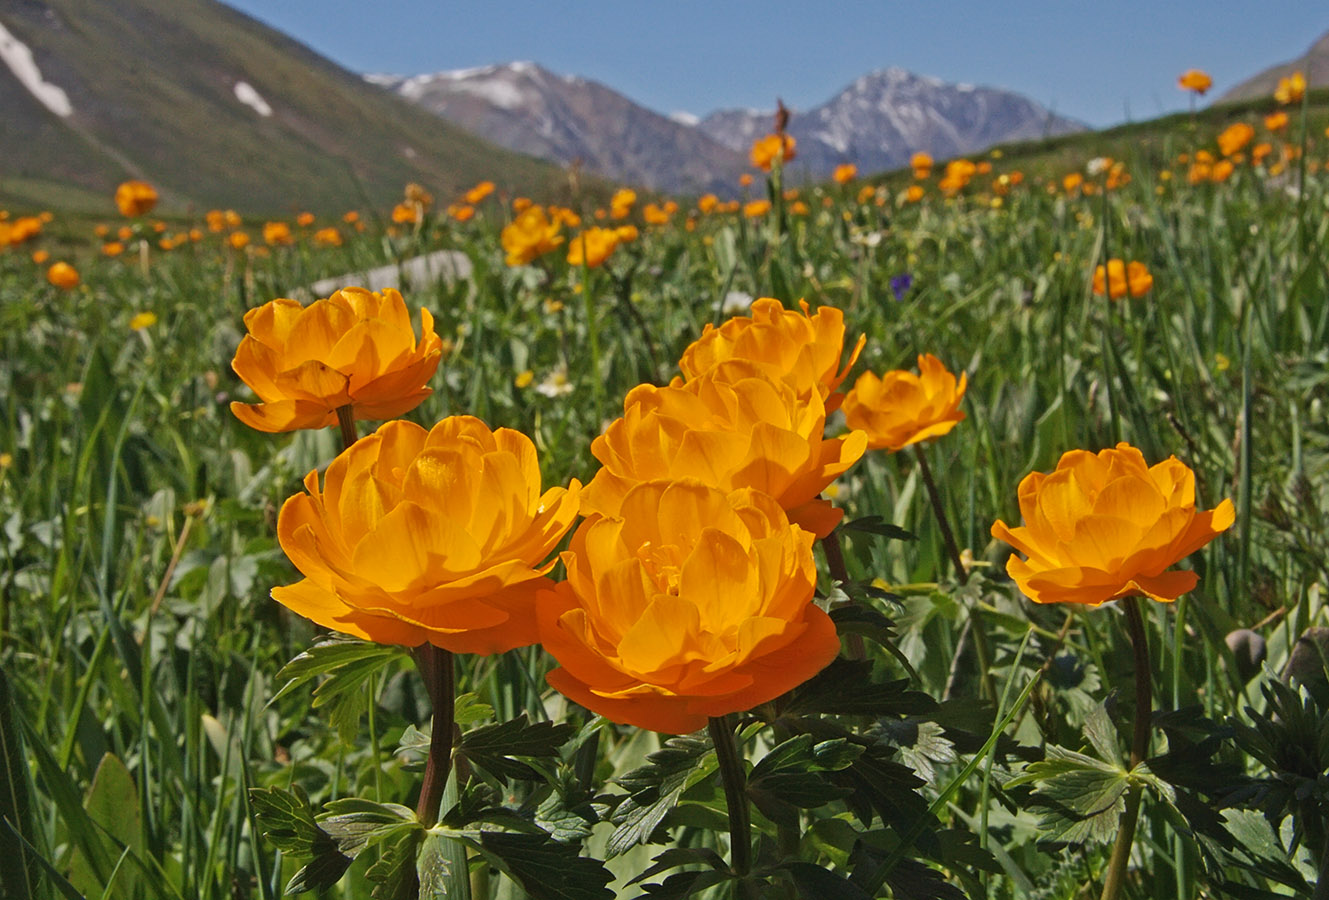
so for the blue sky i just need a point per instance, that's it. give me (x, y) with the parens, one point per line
(1099, 62)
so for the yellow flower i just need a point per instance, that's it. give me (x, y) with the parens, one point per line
(1290, 89)
(355, 348)
(592, 247)
(238, 240)
(277, 234)
(1195, 80)
(654, 214)
(921, 163)
(620, 205)
(142, 320)
(845, 173)
(626, 234)
(800, 349)
(694, 603)
(901, 408)
(63, 276)
(135, 198)
(524, 379)
(731, 427)
(1121, 277)
(529, 236)
(435, 537)
(771, 149)
(1107, 525)
(913, 194)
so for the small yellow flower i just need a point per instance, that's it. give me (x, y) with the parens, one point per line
(143, 320)
(524, 379)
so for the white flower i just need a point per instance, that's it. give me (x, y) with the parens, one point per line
(735, 302)
(556, 384)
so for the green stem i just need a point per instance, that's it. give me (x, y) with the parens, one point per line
(1121, 850)
(734, 780)
(943, 523)
(346, 419)
(435, 665)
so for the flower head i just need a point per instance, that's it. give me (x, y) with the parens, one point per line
(427, 537)
(732, 427)
(135, 198)
(1234, 138)
(592, 247)
(845, 173)
(1290, 89)
(773, 148)
(921, 163)
(529, 236)
(693, 603)
(63, 275)
(801, 349)
(355, 348)
(1195, 81)
(1119, 277)
(901, 408)
(1108, 525)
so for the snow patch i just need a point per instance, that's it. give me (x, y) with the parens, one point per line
(245, 93)
(502, 94)
(683, 117)
(18, 57)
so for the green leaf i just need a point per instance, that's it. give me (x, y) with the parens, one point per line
(17, 878)
(287, 821)
(501, 748)
(348, 665)
(1102, 734)
(681, 856)
(354, 823)
(789, 777)
(879, 526)
(544, 868)
(815, 881)
(1082, 797)
(394, 875)
(112, 803)
(655, 788)
(846, 688)
(433, 866)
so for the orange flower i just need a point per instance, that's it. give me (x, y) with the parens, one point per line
(63, 275)
(745, 180)
(773, 148)
(620, 205)
(1276, 121)
(902, 408)
(1195, 80)
(845, 173)
(1221, 170)
(707, 203)
(461, 212)
(1290, 89)
(328, 237)
(592, 247)
(40, 257)
(755, 209)
(529, 236)
(238, 240)
(732, 427)
(277, 234)
(1122, 277)
(913, 194)
(305, 219)
(921, 163)
(355, 348)
(433, 537)
(1233, 138)
(654, 214)
(407, 213)
(1107, 525)
(135, 198)
(479, 192)
(626, 234)
(694, 603)
(800, 349)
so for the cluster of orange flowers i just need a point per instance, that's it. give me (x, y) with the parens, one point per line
(690, 581)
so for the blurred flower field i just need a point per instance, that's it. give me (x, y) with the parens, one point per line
(955, 532)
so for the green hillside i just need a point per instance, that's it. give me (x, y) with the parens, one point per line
(152, 85)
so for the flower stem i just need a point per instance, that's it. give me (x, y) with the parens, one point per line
(1121, 850)
(943, 523)
(435, 665)
(735, 793)
(346, 419)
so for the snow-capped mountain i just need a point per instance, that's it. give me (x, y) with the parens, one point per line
(882, 118)
(876, 123)
(527, 108)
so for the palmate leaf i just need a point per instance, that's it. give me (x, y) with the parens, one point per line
(348, 665)
(790, 778)
(394, 876)
(846, 688)
(1082, 797)
(544, 868)
(501, 749)
(655, 788)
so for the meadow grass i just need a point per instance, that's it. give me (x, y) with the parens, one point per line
(139, 649)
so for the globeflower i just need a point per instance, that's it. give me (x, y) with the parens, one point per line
(921, 163)
(1195, 81)
(901, 408)
(1290, 89)
(1234, 138)
(418, 537)
(479, 192)
(844, 173)
(772, 148)
(592, 247)
(620, 205)
(793, 346)
(693, 603)
(732, 427)
(1107, 525)
(356, 348)
(135, 198)
(1119, 278)
(529, 236)
(63, 275)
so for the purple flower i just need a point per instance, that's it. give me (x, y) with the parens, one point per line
(900, 285)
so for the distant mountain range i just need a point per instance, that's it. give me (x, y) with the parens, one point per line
(215, 109)
(876, 123)
(1314, 64)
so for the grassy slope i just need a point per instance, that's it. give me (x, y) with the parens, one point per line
(152, 82)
